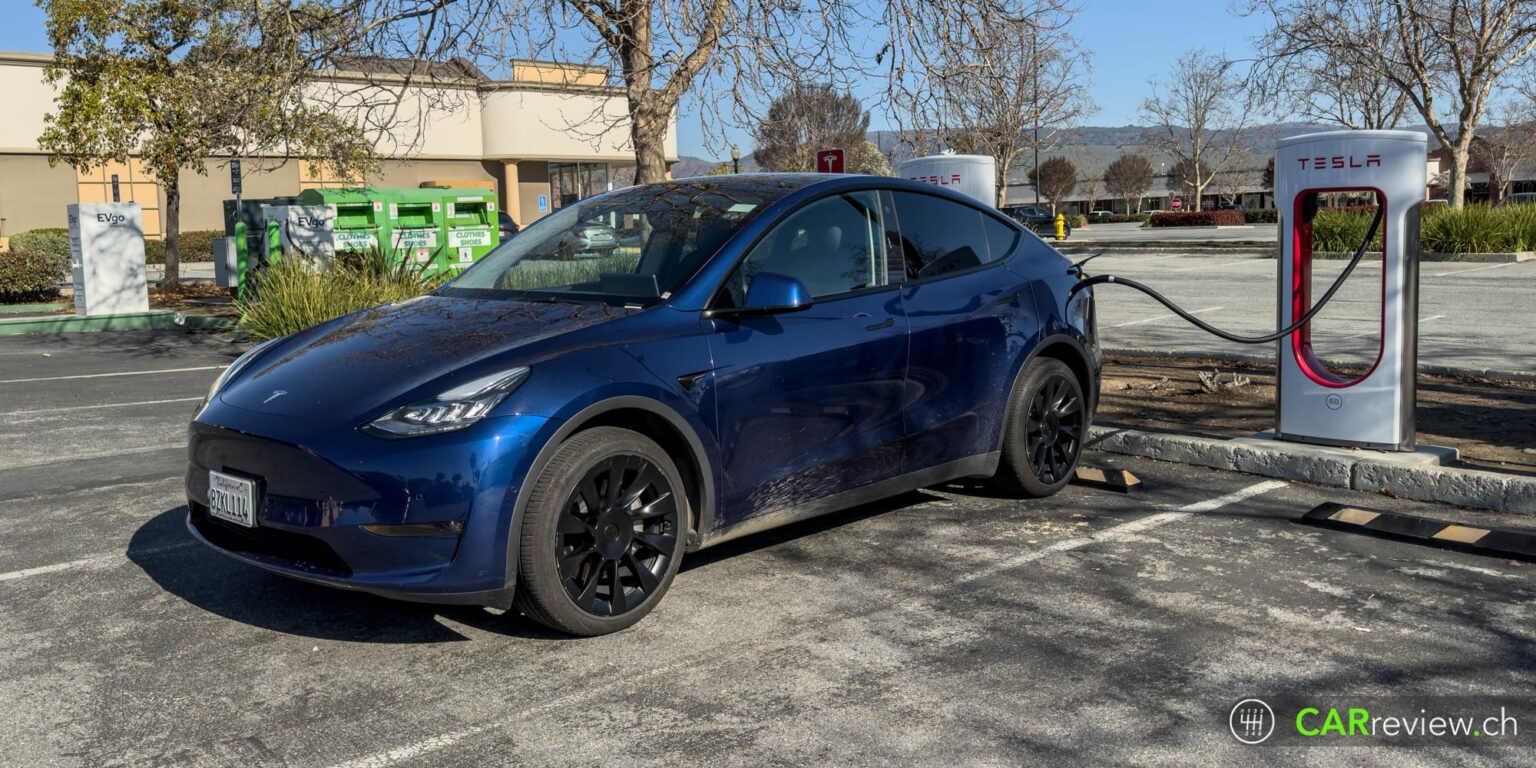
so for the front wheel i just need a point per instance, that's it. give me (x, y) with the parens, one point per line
(602, 535)
(1043, 438)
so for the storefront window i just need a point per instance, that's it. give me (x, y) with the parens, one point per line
(570, 182)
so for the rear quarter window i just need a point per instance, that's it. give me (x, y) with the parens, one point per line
(940, 236)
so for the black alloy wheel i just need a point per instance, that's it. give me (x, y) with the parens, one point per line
(1053, 433)
(616, 535)
(602, 533)
(1046, 423)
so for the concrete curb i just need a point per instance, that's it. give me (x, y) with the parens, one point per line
(1448, 485)
(158, 320)
(1245, 357)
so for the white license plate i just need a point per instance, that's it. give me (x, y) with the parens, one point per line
(232, 498)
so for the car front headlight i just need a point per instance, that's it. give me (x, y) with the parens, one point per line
(235, 368)
(454, 409)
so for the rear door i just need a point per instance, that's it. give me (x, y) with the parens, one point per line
(809, 403)
(969, 319)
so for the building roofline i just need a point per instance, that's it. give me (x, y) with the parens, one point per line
(26, 58)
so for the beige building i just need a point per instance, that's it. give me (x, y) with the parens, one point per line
(550, 134)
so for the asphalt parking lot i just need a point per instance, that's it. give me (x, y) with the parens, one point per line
(946, 626)
(1471, 314)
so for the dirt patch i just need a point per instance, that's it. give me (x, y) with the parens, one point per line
(1493, 424)
(194, 297)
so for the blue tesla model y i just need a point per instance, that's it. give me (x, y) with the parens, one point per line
(560, 425)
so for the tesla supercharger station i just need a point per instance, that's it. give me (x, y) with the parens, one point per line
(106, 258)
(1316, 404)
(973, 175)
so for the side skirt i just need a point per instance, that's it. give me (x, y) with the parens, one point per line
(981, 465)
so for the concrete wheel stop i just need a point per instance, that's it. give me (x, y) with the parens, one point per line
(1423, 456)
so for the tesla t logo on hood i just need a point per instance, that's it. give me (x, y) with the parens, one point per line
(276, 393)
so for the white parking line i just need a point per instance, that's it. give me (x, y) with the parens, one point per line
(1163, 317)
(1115, 533)
(103, 405)
(1455, 272)
(110, 558)
(1243, 262)
(107, 375)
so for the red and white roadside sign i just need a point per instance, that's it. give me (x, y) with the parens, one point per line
(830, 160)
(1177, 203)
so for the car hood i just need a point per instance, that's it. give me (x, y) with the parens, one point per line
(361, 363)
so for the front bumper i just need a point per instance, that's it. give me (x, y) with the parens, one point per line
(317, 488)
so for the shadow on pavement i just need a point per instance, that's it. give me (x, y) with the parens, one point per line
(166, 553)
(181, 566)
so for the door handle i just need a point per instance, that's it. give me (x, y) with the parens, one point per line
(886, 323)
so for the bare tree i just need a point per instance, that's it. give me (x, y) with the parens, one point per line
(1056, 178)
(1314, 84)
(1508, 147)
(728, 53)
(807, 118)
(1090, 183)
(1458, 50)
(1129, 177)
(1198, 118)
(1006, 84)
(1242, 173)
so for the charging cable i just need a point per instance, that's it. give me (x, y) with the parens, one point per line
(1087, 282)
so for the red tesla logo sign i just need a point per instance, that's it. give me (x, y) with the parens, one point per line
(1339, 161)
(829, 160)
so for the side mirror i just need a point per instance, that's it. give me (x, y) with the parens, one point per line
(771, 293)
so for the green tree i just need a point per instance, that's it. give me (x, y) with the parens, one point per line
(178, 81)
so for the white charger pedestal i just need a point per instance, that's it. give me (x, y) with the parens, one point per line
(106, 257)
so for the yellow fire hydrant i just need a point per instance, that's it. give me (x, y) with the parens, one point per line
(1061, 226)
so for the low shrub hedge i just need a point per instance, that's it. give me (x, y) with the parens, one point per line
(51, 241)
(293, 295)
(31, 275)
(1077, 220)
(1197, 219)
(196, 245)
(1478, 229)
(1473, 229)
(1261, 215)
(1124, 218)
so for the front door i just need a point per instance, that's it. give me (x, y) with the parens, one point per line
(808, 403)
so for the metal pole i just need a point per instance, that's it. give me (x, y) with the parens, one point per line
(1034, 58)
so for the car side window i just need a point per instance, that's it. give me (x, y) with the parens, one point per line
(834, 245)
(940, 236)
(1000, 237)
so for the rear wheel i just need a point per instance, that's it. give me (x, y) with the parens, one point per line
(1043, 438)
(602, 534)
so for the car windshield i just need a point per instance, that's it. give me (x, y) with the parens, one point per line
(634, 246)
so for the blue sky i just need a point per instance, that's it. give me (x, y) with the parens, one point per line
(1129, 41)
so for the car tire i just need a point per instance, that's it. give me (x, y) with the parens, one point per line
(1047, 420)
(595, 557)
